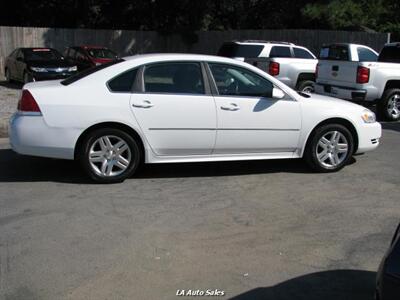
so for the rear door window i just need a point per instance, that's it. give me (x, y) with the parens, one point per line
(390, 54)
(123, 83)
(280, 51)
(302, 53)
(238, 50)
(174, 78)
(365, 54)
(335, 52)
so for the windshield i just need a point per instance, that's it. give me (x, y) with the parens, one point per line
(390, 54)
(41, 54)
(102, 53)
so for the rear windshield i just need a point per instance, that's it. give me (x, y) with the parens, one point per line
(88, 72)
(101, 53)
(334, 52)
(390, 54)
(237, 50)
(41, 54)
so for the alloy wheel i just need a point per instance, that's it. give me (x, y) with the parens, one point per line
(332, 149)
(393, 106)
(308, 89)
(109, 156)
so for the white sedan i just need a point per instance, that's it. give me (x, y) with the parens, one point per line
(169, 108)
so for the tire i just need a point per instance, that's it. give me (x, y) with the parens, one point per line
(335, 157)
(306, 86)
(27, 78)
(389, 105)
(101, 160)
(8, 76)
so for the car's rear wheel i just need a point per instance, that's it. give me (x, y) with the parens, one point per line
(389, 105)
(109, 155)
(306, 86)
(329, 148)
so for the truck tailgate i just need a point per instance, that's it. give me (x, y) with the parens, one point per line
(340, 73)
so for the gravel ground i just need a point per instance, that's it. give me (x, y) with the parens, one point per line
(9, 94)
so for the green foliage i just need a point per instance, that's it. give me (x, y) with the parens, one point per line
(187, 16)
(377, 15)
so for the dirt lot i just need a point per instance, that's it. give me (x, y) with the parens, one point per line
(9, 94)
(254, 230)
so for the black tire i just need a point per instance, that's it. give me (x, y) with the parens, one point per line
(7, 74)
(383, 105)
(27, 77)
(310, 153)
(306, 86)
(90, 140)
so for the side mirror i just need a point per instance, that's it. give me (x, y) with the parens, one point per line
(19, 59)
(277, 94)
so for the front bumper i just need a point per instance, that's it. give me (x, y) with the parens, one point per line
(30, 135)
(369, 135)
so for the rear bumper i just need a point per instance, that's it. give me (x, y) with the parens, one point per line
(368, 137)
(341, 92)
(30, 135)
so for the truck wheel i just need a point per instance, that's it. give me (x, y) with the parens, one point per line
(306, 86)
(389, 105)
(329, 148)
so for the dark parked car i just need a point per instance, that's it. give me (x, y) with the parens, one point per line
(388, 278)
(32, 64)
(86, 57)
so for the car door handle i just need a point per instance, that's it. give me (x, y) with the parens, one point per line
(230, 107)
(335, 68)
(143, 104)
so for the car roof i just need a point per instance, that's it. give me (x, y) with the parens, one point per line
(178, 56)
(259, 42)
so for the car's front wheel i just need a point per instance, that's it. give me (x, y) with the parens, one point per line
(329, 148)
(109, 155)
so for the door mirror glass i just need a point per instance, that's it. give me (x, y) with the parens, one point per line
(277, 93)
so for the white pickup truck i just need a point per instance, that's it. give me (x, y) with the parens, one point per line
(358, 73)
(293, 65)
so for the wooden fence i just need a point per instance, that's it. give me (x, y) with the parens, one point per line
(128, 42)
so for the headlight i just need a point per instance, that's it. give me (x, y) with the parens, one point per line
(36, 69)
(73, 69)
(368, 116)
(97, 64)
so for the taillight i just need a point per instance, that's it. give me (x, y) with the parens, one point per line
(316, 71)
(27, 103)
(362, 75)
(273, 68)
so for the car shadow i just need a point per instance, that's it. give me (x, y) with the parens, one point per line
(20, 168)
(391, 126)
(11, 85)
(328, 285)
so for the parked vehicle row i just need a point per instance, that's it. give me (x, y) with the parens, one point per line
(165, 108)
(35, 64)
(293, 65)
